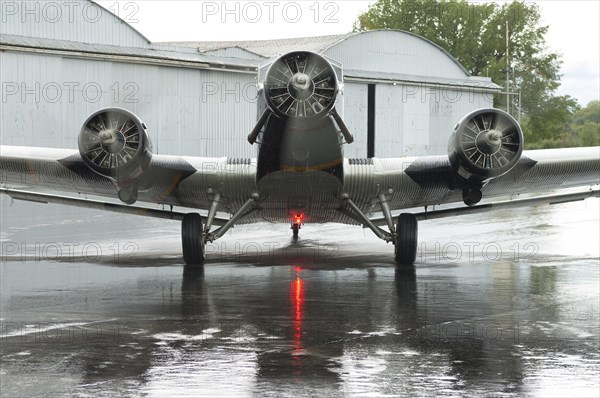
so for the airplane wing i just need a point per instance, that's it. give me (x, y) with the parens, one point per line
(485, 160)
(26, 173)
(384, 188)
(427, 181)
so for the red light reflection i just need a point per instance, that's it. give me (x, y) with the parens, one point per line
(297, 306)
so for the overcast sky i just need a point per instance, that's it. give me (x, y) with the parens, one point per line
(574, 27)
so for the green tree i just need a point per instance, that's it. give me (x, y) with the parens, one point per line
(591, 114)
(571, 124)
(475, 34)
(585, 125)
(550, 125)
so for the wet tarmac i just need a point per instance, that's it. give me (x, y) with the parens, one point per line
(98, 305)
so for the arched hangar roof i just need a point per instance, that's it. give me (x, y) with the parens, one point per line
(387, 51)
(81, 21)
(395, 51)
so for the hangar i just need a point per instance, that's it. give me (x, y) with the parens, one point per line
(402, 94)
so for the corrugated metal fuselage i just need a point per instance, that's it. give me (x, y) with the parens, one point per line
(300, 170)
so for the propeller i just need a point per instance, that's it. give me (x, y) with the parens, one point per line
(301, 85)
(113, 142)
(486, 143)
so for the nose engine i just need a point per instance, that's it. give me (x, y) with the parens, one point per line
(301, 85)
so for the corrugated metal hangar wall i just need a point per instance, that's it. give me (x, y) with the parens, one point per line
(199, 99)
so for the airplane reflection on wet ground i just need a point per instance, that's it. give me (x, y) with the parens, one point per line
(346, 323)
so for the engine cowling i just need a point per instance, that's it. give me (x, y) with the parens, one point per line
(113, 142)
(485, 144)
(301, 85)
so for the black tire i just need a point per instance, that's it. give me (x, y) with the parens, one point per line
(295, 229)
(191, 239)
(128, 195)
(406, 239)
(471, 196)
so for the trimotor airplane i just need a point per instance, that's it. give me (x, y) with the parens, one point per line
(300, 175)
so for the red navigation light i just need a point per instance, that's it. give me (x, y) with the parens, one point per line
(298, 218)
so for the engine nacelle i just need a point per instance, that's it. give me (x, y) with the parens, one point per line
(485, 144)
(301, 85)
(113, 142)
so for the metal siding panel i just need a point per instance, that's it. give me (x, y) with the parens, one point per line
(188, 82)
(428, 117)
(388, 125)
(181, 120)
(416, 125)
(441, 120)
(227, 113)
(355, 104)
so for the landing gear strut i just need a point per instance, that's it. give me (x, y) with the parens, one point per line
(297, 220)
(194, 236)
(403, 236)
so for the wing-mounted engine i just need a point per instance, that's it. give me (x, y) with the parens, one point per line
(485, 144)
(113, 142)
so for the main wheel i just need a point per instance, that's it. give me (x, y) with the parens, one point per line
(295, 229)
(128, 195)
(406, 239)
(191, 239)
(471, 196)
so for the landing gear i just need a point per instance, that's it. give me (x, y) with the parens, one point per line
(192, 239)
(406, 239)
(471, 196)
(295, 229)
(404, 236)
(297, 221)
(128, 195)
